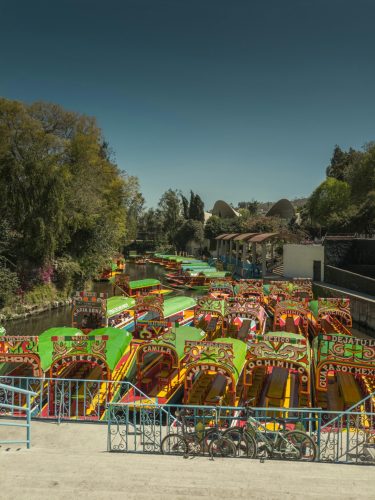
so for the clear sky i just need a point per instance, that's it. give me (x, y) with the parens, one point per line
(235, 99)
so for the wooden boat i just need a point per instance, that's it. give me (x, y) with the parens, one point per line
(136, 288)
(159, 314)
(159, 369)
(293, 316)
(277, 371)
(244, 319)
(213, 371)
(344, 370)
(331, 315)
(115, 266)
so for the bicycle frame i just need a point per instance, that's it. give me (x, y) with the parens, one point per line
(272, 445)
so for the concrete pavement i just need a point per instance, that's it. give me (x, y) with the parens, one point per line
(69, 461)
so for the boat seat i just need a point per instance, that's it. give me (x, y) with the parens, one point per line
(277, 385)
(217, 388)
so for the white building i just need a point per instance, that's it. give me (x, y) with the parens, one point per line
(304, 261)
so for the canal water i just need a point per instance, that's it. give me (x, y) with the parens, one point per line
(35, 325)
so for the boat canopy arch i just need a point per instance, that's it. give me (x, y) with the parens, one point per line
(210, 305)
(342, 353)
(281, 350)
(250, 288)
(103, 347)
(21, 349)
(171, 344)
(298, 311)
(224, 356)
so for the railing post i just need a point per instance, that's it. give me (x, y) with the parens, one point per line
(28, 421)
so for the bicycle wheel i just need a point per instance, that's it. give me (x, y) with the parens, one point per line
(222, 447)
(297, 445)
(173, 444)
(245, 443)
(209, 436)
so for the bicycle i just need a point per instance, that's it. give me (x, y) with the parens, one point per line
(255, 440)
(192, 442)
(220, 445)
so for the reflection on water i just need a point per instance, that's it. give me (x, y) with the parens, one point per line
(34, 325)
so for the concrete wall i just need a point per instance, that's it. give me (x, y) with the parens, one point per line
(347, 279)
(299, 260)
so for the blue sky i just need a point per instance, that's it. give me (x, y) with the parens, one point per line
(233, 99)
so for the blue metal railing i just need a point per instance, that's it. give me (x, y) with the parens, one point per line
(25, 409)
(137, 422)
(346, 437)
(68, 399)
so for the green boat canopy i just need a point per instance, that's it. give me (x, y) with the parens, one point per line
(45, 345)
(143, 283)
(213, 306)
(118, 341)
(116, 305)
(183, 333)
(314, 307)
(176, 304)
(239, 351)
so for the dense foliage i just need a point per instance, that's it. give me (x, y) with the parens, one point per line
(345, 201)
(175, 223)
(65, 205)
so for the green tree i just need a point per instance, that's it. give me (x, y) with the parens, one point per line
(342, 162)
(361, 174)
(63, 197)
(171, 213)
(332, 197)
(190, 230)
(185, 206)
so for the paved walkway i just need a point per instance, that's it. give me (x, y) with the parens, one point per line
(69, 461)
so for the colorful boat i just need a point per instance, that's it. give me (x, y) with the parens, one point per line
(213, 371)
(277, 291)
(244, 318)
(92, 311)
(301, 288)
(331, 315)
(209, 316)
(201, 281)
(66, 353)
(19, 356)
(159, 315)
(159, 367)
(251, 288)
(293, 316)
(344, 370)
(115, 266)
(221, 289)
(277, 371)
(138, 287)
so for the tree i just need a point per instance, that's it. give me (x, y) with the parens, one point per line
(342, 162)
(185, 206)
(361, 174)
(196, 207)
(332, 197)
(62, 198)
(171, 213)
(190, 230)
(364, 219)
